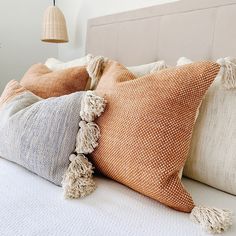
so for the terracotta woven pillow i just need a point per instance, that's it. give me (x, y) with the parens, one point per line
(45, 83)
(146, 132)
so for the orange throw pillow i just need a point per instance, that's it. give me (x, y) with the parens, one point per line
(147, 127)
(44, 83)
(146, 131)
(12, 90)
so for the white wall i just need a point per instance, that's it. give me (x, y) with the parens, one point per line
(77, 12)
(20, 30)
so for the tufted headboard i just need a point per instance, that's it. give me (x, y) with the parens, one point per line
(198, 29)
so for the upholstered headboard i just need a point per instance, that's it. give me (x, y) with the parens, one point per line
(198, 29)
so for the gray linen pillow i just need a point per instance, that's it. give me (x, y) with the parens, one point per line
(41, 135)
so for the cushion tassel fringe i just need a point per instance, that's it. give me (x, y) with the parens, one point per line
(87, 138)
(212, 220)
(78, 179)
(228, 71)
(92, 106)
(94, 69)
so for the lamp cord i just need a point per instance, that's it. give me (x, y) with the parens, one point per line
(54, 2)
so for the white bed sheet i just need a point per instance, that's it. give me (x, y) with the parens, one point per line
(31, 206)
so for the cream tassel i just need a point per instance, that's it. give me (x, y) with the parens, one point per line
(160, 65)
(228, 73)
(212, 220)
(95, 69)
(78, 180)
(87, 137)
(92, 106)
(89, 57)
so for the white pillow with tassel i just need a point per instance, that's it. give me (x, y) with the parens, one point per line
(213, 148)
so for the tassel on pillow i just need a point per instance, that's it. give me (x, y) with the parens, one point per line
(92, 106)
(94, 69)
(228, 74)
(87, 137)
(78, 179)
(212, 220)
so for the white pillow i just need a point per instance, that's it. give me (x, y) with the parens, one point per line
(55, 64)
(212, 155)
(145, 69)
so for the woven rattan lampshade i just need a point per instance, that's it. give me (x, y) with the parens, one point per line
(54, 26)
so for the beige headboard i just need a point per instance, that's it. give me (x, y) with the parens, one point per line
(198, 29)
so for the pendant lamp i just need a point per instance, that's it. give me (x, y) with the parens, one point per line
(54, 25)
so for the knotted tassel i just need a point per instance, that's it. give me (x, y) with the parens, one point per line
(78, 180)
(87, 138)
(228, 74)
(95, 69)
(212, 220)
(89, 57)
(92, 106)
(160, 65)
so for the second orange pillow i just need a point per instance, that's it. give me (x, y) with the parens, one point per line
(45, 83)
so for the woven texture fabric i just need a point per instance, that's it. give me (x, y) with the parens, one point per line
(46, 83)
(39, 134)
(147, 127)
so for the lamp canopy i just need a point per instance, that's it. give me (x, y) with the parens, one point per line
(54, 26)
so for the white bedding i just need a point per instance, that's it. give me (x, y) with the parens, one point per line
(31, 206)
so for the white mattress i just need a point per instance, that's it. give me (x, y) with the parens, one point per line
(30, 206)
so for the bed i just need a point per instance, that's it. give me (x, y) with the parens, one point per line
(33, 206)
